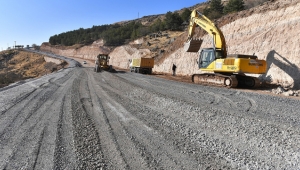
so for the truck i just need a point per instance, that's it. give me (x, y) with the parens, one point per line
(141, 65)
(101, 63)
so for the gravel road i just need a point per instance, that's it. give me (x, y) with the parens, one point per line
(79, 119)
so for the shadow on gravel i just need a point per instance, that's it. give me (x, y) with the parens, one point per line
(118, 72)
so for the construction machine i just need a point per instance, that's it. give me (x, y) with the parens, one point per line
(101, 63)
(141, 65)
(220, 68)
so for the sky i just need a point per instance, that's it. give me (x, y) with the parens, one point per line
(27, 22)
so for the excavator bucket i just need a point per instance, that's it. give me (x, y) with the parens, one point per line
(193, 45)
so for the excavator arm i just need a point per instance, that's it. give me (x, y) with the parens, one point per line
(199, 19)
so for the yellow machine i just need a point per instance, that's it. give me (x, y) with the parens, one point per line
(101, 63)
(225, 70)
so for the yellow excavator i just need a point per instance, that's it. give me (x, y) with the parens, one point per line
(221, 69)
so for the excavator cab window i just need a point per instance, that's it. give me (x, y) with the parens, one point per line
(103, 57)
(219, 54)
(206, 57)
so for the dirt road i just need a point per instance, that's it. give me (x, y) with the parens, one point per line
(79, 119)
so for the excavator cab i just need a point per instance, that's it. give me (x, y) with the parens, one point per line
(209, 55)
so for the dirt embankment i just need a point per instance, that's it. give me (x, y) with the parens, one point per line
(20, 65)
(78, 51)
(270, 32)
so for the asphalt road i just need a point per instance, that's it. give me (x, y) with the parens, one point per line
(79, 119)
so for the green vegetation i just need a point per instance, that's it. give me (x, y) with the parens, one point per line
(214, 10)
(117, 34)
(185, 16)
(234, 6)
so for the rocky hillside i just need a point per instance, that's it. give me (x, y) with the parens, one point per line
(16, 65)
(269, 30)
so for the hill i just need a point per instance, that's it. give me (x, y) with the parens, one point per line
(16, 65)
(268, 30)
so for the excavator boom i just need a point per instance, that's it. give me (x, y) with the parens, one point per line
(193, 45)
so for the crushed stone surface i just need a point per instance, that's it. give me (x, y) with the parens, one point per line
(79, 119)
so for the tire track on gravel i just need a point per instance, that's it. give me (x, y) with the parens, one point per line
(21, 146)
(117, 145)
(87, 143)
(156, 152)
(196, 94)
(236, 125)
(26, 136)
(152, 144)
(230, 100)
(64, 156)
(158, 122)
(12, 118)
(19, 99)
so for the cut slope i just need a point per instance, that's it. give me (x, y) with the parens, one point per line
(271, 32)
(20, 65)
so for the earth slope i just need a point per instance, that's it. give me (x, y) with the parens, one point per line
(270, 31)
(271, 34)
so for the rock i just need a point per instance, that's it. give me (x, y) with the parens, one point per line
(288, 93)
(278, 90)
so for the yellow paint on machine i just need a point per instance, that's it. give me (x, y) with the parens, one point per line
(143, 62)
(237, 65)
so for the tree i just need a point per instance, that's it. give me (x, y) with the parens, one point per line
(185, 16)
(158, 25)
(216, 5)
(173, 21)
(234, 6)
(215, 9)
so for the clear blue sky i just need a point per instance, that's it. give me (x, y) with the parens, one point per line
(33, 21)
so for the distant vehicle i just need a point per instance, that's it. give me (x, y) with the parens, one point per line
(102, 63)
(84, 62)
(141, 65)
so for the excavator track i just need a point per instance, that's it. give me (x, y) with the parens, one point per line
(230, 81)
(215, 80)
(248, 81)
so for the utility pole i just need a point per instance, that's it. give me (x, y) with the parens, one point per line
(15, 44)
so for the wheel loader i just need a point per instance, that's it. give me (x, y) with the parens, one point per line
(101, 63)
(221, 69)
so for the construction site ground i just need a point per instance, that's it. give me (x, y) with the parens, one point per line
(79, 119)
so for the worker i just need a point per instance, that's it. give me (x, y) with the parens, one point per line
(174, 69)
